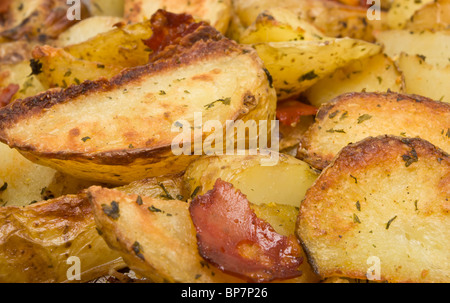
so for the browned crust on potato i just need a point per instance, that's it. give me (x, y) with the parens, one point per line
(371, 152)
(201, 48)
(36, 238)
(370, 99)
(205, 43)
(366, 154)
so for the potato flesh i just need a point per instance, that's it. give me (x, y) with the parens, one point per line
(370, 205)
(131, 102)
(297, 65)
(167, 243)
(434, 46)
(425, 79)
(355, 116)
(87, 29)
(402, 10)
(374, 74)
(38, 240)
(293, 178)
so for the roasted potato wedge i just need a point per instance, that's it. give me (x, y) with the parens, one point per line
(352, 117)
(38, 239)
(122, 46)
(331, 18)
(27, 182)
(277, 25)
(297, 65)
(170, 187)
(37, 242)
(373, 74)
(21, 74)
(433, 16)
(58, 68)
(402, 11)
(252, 178)
(158, 240)
(121, 130)
(434, 46)
(380, 211)
(217, 13)
(87, 29)
(425, 79)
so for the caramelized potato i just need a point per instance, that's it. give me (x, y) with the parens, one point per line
(157, 238)
(352, 117)
(120, 130)
(373, 74)
(253, 178)
(297, 65)
(380, 212)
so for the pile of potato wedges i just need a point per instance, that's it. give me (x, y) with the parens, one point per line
(92, 189)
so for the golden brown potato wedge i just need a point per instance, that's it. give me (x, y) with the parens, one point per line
(121, 130)
(38, 242)
(87, 29)
(331, 18)
(373, 74)
(170, 187)
(425, 79)
(58, 68)
(402, 11)
(277, 25)
(434, 46)
(354, 116)
(157, 238)
(252, 178)
(21, 74)
(297, 65)
(433, 16)
(28, 182)
(217, 13)
(122, 46)
(380, 211)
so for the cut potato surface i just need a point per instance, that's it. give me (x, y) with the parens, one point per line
(120, 130)
(434, 46)
(373, 74)
(425, 79)
(352, 117)
(251, 177)
(157, 238)
(380, 211)
(38, 242)
(297, 65)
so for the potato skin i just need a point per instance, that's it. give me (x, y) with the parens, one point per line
(384, 197)
(352, 117)
(139, 154)
(157, 238)
(37, 240)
